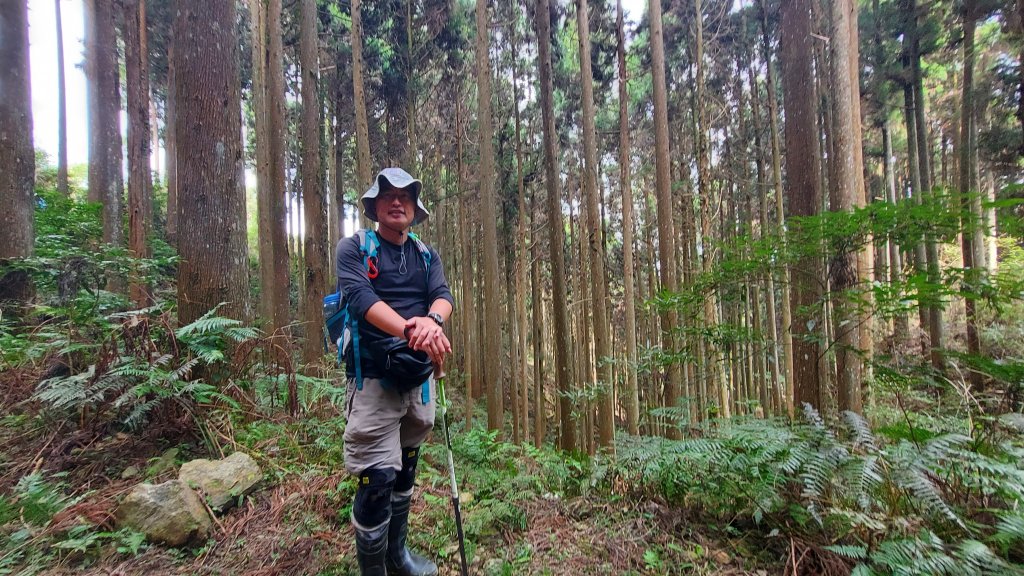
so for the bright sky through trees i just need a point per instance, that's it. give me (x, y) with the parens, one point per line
(43, 46)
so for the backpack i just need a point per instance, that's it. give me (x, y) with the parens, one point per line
(342, 328)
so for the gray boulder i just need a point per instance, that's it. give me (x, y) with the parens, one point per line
(222, 481)
(170, 513)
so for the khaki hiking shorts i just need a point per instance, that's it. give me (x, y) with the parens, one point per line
(380, 422)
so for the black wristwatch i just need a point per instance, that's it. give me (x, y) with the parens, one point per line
(436, 318)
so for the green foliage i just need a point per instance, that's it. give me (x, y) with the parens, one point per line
(130, 378)
(869, 494)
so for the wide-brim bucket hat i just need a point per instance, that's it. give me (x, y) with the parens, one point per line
(400, 179)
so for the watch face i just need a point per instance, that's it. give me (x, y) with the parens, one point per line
(436, 318)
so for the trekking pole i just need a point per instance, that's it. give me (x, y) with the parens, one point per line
(443, 406)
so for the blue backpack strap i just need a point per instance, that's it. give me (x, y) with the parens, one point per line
(425, 254)
(368, 245)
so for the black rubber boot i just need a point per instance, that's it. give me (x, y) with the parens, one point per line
(371, 513)
(371, 550)
(400, 560)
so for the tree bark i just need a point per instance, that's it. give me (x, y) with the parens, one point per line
(106, 184)
(276, 168)
(314, 200)
(803, 187)
(594, 237)
(62, 108)
(488, 200)
(17, 154)
(140, 185)
(171, 144)
(972, 236)
(556, 233)
(788, 368)
(843, 268)
(631, 393)
(663, 183)
(363, 169)
(212, 244)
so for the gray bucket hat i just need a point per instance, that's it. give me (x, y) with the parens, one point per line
(397, 178)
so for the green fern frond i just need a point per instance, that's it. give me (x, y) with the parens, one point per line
(853, 552)
(862, 435)
(923, 488)
(205, 325)
(185, 370)
(980, 557)
(1010, 528)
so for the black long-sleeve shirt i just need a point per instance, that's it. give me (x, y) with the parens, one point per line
(409, 289)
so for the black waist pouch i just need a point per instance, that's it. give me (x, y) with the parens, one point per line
(404, 368)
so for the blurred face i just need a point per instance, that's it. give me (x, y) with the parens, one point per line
(395, 209)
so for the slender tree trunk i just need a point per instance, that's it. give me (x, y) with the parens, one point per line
(666, 232)
(212, 244)
(140, 193)
(62, 108)
(465, 241)
(804, 190)
(843, 268)
(258, 22)
(521, 251)
(537, 301)
(631, 393)
(106, 184)
(788, 368)
(488, 200)
(555, 231)
(364, 171)
(276, 159)
(866, 255)
(314, 200)
(595, 243)
(972, 238)
(901, 324)
(170, 144)
(17, 154)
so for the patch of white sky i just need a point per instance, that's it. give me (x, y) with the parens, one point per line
(43, 55)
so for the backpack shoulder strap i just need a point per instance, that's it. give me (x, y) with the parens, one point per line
(424, 250)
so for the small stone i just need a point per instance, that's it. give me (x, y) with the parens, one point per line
(164, 462)
(130, 472)
(720, 557)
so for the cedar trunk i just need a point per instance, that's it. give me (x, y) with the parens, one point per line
(212, 241)
(314, 200)
(17, 155)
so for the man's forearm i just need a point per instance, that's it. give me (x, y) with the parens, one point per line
(385, 318)
(442, 307)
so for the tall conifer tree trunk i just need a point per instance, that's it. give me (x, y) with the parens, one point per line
(140, 185)
(62, 108)
(276, 162)
(492, 327)
(258, 23)
(594, 236)
(803, 187)
(364, 175)
(787, 368)
(106, 184)
(843, 269)
(631, 394)
(17, 154)
(663, 183)
(972, 238)
(212, 243)
(556, 232)
(313, 199)
(170, 145)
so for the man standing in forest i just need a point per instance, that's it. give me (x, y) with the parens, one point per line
(396, 290)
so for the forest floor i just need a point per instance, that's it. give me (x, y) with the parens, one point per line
(297, 523)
